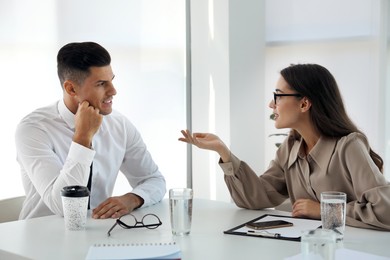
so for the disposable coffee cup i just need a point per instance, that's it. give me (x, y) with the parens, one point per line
(180, 204)
(75, 206)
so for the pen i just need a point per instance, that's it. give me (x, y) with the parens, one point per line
(263, 233)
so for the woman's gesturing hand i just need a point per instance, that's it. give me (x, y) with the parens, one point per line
(207, 141)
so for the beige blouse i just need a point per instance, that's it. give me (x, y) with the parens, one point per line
(332, 165)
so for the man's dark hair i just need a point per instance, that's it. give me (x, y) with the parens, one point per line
(75, 59)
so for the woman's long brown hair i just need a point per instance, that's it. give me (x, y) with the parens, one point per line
(328, 113)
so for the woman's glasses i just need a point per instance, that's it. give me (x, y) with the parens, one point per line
(276, 96)
(129, 221)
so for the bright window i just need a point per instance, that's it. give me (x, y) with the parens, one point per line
(146, 40)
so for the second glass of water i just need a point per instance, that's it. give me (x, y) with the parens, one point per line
(319, 244)
(180, 204)
(333, 212)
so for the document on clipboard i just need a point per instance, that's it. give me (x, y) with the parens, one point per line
(292, 232)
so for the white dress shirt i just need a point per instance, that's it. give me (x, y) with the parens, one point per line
(50, 160)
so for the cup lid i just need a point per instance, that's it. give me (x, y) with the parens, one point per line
(75, 191)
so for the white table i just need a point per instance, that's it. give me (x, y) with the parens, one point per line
(47, 238)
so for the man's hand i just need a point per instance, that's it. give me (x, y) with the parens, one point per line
(87, 122)
(306, 208)
(116, 207)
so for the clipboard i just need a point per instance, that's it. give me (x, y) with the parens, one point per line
(292, 233)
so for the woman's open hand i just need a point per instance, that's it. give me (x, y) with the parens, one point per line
(207, 141)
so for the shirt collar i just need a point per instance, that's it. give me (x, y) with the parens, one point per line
(66, 114)
(321, 152)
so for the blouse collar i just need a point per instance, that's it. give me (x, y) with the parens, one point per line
(321, 152)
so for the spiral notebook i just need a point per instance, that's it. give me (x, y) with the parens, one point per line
(169, 251)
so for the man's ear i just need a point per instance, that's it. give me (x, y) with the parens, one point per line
(305, 104)
(69, 88)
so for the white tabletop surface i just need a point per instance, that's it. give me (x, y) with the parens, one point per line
(47, 238)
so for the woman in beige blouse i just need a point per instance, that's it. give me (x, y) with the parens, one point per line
(324, 151)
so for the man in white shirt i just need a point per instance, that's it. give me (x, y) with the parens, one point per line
(59, 144)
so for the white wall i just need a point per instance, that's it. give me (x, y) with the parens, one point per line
(210, 93)
(386, 78)
(227, 83)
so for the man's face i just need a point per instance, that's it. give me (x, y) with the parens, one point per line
(98, 89)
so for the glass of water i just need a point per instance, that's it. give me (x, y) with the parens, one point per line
(319, 244)
(180, 204)
(333, 212)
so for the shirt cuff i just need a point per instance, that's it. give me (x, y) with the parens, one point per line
(230, 168)
(143, 196)
(81, 154)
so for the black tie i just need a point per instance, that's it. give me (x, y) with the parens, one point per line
(89, 184)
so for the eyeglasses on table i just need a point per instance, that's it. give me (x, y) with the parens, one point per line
(129, 221)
